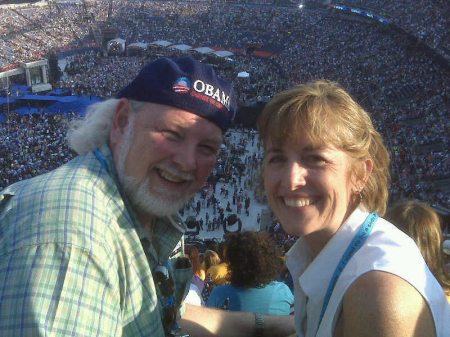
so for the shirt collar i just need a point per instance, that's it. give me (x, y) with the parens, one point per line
(107, 156)
(298, 258)
(166, 237)
(108, 160)
(316, 277)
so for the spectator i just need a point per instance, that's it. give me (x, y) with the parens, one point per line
(254, 265)
(210, 258)
(219, 273)
(423, 225)
(285, 276)
(198, 274)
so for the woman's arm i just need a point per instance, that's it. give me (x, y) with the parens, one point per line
(383, 304)
(202, 321)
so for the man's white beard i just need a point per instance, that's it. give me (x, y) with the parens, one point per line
(156, 201)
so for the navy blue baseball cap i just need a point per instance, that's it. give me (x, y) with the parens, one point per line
(186, 84)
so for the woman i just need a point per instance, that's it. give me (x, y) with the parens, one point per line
(422, 224)
(210, 258)
(253, 267)
(198, 274)
(325, 168)
(219, 273)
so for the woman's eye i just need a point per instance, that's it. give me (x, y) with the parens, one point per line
(316, 159)
(275, 159)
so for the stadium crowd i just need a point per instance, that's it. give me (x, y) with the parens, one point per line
(27, 33)
(33, 145)
(407, 93)
(428, 20)
(329, 48)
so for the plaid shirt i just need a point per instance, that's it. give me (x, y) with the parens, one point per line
(71, 258)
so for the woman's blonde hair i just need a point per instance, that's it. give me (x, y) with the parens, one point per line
(423, 225)
(328, 114)
(211, 258)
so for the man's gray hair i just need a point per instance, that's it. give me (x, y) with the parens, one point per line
(91, 132)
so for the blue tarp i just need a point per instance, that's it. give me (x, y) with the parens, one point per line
(77, 106)
(14, 88)
(49, 98)
(57, 92)
(24, 89)
(62, 105)
(4, 100)
(27, 111)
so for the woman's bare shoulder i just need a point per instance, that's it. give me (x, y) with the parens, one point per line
(383, 304)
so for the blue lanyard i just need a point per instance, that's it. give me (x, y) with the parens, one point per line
(170, 301)
(166, 302)
(102, 161)
(354, 246)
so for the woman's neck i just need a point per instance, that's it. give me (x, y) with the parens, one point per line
(318, 240)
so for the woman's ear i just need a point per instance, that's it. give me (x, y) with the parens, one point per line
(362, 174)
(367, 171)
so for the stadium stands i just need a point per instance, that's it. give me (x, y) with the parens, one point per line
(407, 92)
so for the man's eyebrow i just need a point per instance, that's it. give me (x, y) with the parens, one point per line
(178, 123)
(183, 126)
(216, 140)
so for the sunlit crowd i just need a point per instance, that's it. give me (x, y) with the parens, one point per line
(407, 93)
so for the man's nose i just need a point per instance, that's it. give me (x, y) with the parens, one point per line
(186, 158)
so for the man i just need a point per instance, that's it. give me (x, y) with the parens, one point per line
(94, 247)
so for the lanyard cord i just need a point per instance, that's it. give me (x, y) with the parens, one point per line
(100, 158)
(165, 302)
(358, 241)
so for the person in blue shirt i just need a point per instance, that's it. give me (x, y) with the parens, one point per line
(253, 267)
